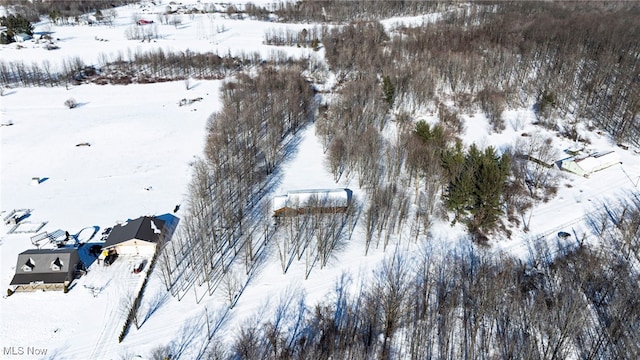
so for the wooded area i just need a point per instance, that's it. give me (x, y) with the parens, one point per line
(464, 305)
(578, 301)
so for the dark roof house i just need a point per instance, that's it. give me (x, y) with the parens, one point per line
(45, 269)
(135, 236)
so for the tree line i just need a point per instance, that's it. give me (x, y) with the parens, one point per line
(228, 219)
(339, 11)
(66, 11)
(135, 67)
(286, 37)
(60, 11)
(579, 302)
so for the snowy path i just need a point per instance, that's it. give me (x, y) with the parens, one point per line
(570, 210)
(112, 285)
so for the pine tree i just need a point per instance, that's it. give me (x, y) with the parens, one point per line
(453, 161)
(432, 136)
(477, 181)
(389, 90)
(460, 173)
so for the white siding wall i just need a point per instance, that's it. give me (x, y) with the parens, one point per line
(136, 247)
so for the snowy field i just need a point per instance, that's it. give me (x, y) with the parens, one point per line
(214, 32)
(141, 146)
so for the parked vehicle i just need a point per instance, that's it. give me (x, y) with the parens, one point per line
(110, 258)
(95, 250)
(139, 266)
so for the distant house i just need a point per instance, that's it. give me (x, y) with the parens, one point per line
(312, 201)
(136, 237)
(584, 165)
(45, 269)
(22, 37)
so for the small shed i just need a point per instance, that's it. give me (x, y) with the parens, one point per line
(584, 165)
(45, 269)
(312, 201)
(136, 237)
(22, 37)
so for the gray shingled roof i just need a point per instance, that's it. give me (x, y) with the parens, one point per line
(47, 278)
(40, 261)
(140, 228)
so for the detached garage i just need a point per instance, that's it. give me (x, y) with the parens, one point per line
(584, 165)
(136, 237)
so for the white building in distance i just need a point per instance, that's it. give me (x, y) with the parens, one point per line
(587, 164)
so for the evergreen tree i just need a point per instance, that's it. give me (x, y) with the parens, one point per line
(389, 90)
(475, 188)
(453, 162)
(15, 24)
(432, 136)
(546, 102)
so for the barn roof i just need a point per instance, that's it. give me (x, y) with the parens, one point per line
(40, 262)
(144, 228)
(596, 161)
(46, 278)
(315, 197)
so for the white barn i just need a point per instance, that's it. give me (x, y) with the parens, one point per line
(136, 237)
(313, 200)
(584, 165)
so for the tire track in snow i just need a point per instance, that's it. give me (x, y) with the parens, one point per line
(110, 318)
(120, 283)
(604, 186)
(116, 282)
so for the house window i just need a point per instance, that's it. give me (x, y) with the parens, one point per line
(29, 265)
(56, 264)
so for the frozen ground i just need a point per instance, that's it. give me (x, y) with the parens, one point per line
(214, 32)
(138, 163)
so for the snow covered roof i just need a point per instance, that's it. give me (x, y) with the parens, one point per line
(313, 197)
(144, 228)
(587, 164)
(22, 37)
(593, 161)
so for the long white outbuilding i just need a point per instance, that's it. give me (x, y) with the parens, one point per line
(586, 164)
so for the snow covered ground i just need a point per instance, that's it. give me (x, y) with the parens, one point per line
(214, 32)
(138, 163)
